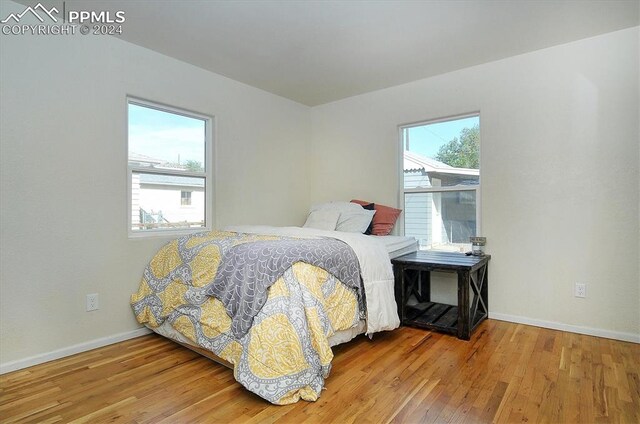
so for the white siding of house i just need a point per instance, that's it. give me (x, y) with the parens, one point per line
(422, 217)
(166, 199)
(417, 207)
(135, 199)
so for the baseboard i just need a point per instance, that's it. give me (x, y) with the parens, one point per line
(71, 350)
(598, 332)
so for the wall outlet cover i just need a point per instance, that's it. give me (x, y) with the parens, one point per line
(93, 302)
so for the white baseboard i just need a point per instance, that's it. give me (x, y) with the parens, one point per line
(598, 332)
(71, 350)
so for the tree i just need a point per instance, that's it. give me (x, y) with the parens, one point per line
(193, 165)
(463, 152)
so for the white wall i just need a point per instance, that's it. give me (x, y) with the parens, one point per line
(559, 169)
(63, 177)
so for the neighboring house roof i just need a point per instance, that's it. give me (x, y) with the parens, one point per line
(414, 162)
(161, 179)
(137, 157)
(171, 180)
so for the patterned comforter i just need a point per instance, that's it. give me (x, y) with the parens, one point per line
(285, 356)
(247, 270)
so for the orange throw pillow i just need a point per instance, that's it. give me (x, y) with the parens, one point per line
(384, 219)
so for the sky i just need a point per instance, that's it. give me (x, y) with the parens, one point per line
(166, 136)
(427, 139)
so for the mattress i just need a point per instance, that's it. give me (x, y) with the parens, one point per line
(398, 245)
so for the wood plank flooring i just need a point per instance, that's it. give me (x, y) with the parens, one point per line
(505, 373)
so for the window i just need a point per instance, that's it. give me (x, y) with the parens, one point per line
(169, 166)
(185, 198)
(441, 182)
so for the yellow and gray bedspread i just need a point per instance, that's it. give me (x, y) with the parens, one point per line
(285, 355)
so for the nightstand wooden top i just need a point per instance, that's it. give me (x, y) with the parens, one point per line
(444, 260)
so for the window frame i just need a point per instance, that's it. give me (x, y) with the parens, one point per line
(402, 191)
(207, 175)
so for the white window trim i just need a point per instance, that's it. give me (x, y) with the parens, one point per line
(402, 191)
(208, 174)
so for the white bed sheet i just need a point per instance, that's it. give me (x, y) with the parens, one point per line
(398, 245)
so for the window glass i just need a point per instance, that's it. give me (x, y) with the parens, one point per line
(441, 177)
(159, 139)
(170, 176)
(441, 221)
(448, 153)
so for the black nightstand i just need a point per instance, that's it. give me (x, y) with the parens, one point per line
(413, 291)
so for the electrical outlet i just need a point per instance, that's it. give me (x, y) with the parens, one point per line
(580, 290)
(92, 302)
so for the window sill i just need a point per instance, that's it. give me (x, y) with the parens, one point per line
(148, 234)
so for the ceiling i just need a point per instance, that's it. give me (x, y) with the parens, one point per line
(316, 52)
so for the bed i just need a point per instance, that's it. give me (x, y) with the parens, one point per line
(281, 349)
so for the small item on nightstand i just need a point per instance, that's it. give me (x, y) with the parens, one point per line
(477, 245)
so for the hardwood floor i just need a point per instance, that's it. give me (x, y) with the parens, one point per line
(505, 373)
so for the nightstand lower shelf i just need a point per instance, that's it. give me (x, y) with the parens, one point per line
(432, 315)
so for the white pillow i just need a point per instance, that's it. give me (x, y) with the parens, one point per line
(353, 217)
(355, 221)
(322, 220)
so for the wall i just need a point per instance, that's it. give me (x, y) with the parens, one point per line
(63, 177)
(559, 169)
